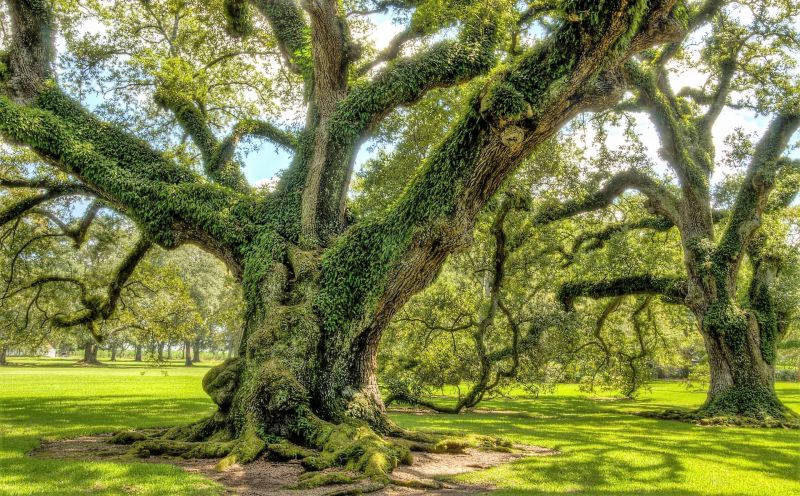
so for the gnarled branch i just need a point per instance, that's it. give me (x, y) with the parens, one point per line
(674, 289)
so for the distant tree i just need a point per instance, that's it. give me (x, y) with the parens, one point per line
(749, 57)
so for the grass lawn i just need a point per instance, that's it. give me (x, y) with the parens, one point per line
(603, 450)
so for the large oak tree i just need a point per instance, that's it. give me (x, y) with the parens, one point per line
(320, 287)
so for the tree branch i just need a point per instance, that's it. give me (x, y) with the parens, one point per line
(288, 25)
(403, 83)
(32, 48)
(672, 288)
(226, 149)
(400, 252)
(661, 200)
(20, 208)
(758, 183)
(103, 309)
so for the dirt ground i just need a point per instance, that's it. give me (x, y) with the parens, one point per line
(428, 473)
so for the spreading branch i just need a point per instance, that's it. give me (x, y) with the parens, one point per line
(758, 183)
(660, 199)
(674, 289)
(20, 208)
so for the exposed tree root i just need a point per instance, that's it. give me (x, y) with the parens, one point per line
(349, 453)
(268, 477)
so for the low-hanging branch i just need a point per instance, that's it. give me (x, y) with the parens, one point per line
(673, 288)
(94, 307)
(79, 231)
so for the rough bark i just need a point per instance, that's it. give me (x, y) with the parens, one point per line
(3, 352)
(137, 356)
(196, 351)
(90, 353)
(187, 353)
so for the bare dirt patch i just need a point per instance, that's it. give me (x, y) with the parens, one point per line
(427, 476)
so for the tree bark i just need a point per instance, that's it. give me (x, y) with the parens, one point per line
(3, 352)
(169, 351)
(160, 351)
(90, 353)
(196, 351)
(137, 357)
(742, 380)
(113, 353)
(187, 353)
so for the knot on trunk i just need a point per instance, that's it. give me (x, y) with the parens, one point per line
(222, 381)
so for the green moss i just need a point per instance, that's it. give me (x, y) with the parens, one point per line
(184, 449)
(745, 400)
(505, 102)
(221, 382)
(127, 437)
(286, 450)
(247, 447)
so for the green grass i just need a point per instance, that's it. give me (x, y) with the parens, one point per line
(603, 450)
(53, 399)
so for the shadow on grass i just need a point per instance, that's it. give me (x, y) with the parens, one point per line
(604, 448)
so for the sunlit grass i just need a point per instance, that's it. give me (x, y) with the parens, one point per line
(603, 449)
(53, 399)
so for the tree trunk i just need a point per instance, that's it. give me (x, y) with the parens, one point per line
(187, 353)
(3, 356)
(742, 365)
(286, 382)
(90, 353)
(160, 351)
(113, 353)
(169, 351)
(137, 357)
(196, 351)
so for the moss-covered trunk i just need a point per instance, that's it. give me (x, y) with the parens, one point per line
(292, 383)
(286, 363)
(741, 362)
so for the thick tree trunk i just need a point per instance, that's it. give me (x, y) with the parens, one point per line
(90, 353)
(160, 351)
(196, 351)
(137, 357)
(742, 375)
(187, 353)
(3, 356)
